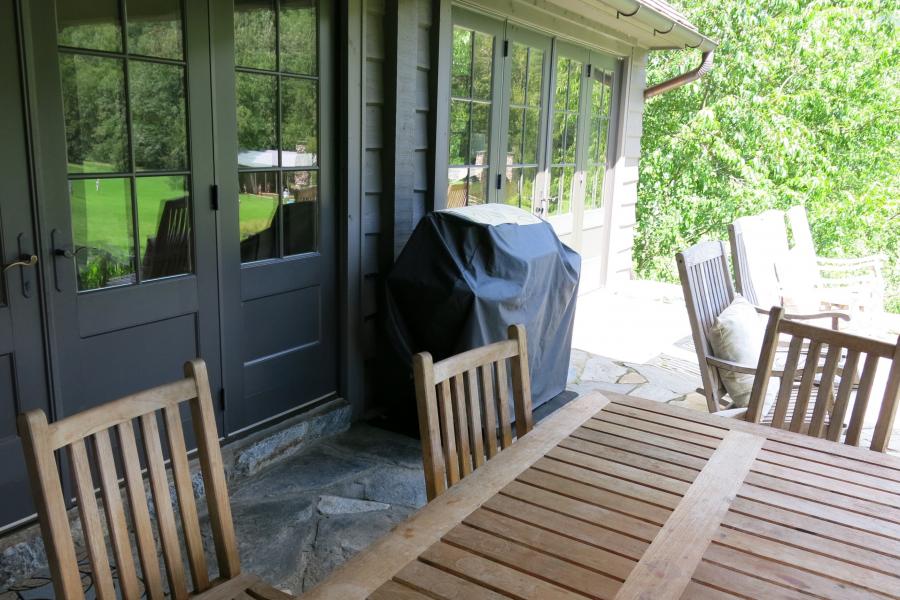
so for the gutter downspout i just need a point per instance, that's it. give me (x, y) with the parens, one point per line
(705, 66)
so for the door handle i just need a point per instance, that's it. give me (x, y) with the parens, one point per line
(23, 261)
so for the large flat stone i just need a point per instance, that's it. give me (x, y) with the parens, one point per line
(598, 368)
(341, 505)
(651, 391)
(366, 442)
(680, 383)
(395, 485)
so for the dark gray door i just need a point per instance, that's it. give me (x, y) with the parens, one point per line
(124, 131)
(275, 112)
(23, 381)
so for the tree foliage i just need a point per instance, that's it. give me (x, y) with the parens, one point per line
(801, 107)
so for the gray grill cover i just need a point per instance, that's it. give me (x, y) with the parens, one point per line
(465, 275)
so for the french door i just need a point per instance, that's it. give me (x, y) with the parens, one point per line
(23, 377)
(529, 121)
(122, 110)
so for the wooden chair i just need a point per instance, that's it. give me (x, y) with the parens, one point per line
(94, 428)
(758, 244)
(169, 252)
(460, 415)
(706, 284)
(827, 416)
(855, 283)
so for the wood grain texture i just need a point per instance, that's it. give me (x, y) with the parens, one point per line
(665, 569)
(364, 573)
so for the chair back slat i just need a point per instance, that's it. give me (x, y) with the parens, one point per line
(758, 243)
(90, 520)
(807, 380)
(503, 404)
(706, 284)
(861, 403)
(461, 424)
(115, 515)
(476, 431)
(162, 504)
(102, 440)
(137, 498)
(783, 400)
(448, 431)
(186, 503)
(490, 408)
(842, 354)
(463, 405)
(842, 400)
(825, 393)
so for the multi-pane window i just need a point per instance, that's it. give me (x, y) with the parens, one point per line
(523, 124)
(277, 89)
(122, 73)
(563, 160)
(471, 82)
(601, 98)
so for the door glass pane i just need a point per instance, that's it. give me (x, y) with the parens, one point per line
(601, 95)
(565, 139)
(299, 122)
(300, 206)
(531, 137)
(477, 186)
(258, 205)
(93, 91)
(256, 120)
(514, 136)
(480, 134)
(482, 66)
(164, 226)
(523, 124)
(520, 187)
(154, 28)
(90, 24)
(102, 232)
(159, 127)
(459, 132)
(298, 37)
(461, 67)
(254, 34)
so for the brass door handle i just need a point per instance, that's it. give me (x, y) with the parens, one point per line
(24, 261)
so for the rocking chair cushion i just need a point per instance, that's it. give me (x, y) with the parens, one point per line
(737, 335)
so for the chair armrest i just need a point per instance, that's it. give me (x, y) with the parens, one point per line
(800, 317)
(732, 413)
(729, 365)
(849, 262)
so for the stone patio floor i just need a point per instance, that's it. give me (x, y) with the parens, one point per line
(303, 516)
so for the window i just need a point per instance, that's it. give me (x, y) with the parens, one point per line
(523, 122)
(125, 107)
(529, 119)
(471, 89)
(277, 89)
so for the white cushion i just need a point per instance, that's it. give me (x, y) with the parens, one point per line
(737, 335)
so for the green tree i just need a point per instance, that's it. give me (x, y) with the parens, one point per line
(801, 108)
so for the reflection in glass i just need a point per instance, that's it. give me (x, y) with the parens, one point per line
(154, 28)
(93, 91)
(254, 34)
(477, 187)
(299, 122)
(256, 117)
(459, 132)
(257, 209)
(461, 66)
(520, 186)
(90, 24)
(561, 189)
(518, 73)
(159, 126)
(514, 135)
(164, 226)
(466, 186)
(601, 93)
(298, 37)
(482, 65)
(480, 134)
(300, 208)
(102, 232)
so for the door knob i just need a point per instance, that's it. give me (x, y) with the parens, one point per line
(24, 260)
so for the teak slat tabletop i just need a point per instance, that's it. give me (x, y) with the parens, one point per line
(617, 497)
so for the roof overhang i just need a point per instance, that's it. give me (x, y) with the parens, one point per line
(666, 27)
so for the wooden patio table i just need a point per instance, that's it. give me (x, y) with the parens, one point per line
(617, 497)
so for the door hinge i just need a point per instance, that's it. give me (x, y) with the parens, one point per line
(587, 71)
(222, 399)
(505, 48)
(499, 181)
(214, 197)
